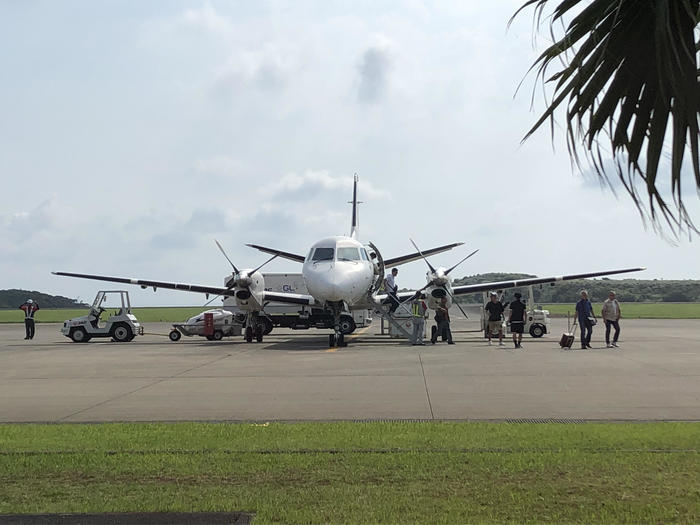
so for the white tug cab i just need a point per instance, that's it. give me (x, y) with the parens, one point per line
(121, 326)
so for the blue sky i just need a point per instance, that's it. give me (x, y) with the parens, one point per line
(135, 133)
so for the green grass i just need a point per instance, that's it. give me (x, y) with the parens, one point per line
(638, 310)
(145, 315)
(360, 472)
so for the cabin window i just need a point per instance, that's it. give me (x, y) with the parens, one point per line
(348, 254)
(323, 254)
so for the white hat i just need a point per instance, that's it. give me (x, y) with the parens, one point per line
(494, 293)
(29, 301)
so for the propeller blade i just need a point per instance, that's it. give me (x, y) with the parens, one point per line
(460, 262)
(263, 264)
(421, 254)
(229, 260)
(454, 301)
(211, 301)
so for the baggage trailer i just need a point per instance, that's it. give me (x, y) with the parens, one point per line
(223, 325)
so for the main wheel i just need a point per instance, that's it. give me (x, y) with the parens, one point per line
(259, 330)
(267, 326)
(122, 333)
(536, 330)
(217, 335)
(174, 335)
(79, 335)
(331, 340)
(249, 334)
(347, 324)
(341, 341)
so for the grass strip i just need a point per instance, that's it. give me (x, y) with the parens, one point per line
(359, 472)
(179, 314)
(637, 310)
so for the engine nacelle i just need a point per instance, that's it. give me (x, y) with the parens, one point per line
(249, 290)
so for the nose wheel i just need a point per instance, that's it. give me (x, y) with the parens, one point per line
(337, 340)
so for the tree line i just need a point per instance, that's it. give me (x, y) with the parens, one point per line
(627, 290)
(14, 297)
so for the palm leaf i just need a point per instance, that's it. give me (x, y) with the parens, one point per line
(627, 74)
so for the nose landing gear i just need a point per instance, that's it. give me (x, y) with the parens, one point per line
(338, 337)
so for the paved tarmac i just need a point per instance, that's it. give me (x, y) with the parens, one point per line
(655, 375)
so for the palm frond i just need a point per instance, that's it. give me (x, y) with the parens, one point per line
(626, 73)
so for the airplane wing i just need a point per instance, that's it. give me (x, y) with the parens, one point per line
(483, 287)
(281, 297)
(285, 255)
(403, 259)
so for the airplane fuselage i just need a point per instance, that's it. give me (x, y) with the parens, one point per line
(339, 270)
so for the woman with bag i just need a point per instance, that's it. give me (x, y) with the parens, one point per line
(586, 319)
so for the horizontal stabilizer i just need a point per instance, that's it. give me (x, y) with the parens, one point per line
(280, 253)
(397, 261)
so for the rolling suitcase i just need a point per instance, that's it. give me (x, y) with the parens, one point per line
(567, 338)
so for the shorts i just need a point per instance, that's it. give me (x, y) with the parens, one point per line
(517, 327)
(495, 326)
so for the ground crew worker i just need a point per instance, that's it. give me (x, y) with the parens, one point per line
(442, 318)
(29, 307)
(418, 309)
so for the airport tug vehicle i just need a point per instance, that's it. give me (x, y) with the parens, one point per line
(121, 326)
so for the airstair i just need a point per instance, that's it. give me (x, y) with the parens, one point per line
(383, 312)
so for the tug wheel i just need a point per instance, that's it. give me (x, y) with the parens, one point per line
(79, 335)
(122, 333)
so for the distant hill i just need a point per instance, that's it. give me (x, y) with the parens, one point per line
(627, 290)
(14, 298)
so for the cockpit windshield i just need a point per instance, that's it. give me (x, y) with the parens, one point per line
(348, 254)
(323, 254)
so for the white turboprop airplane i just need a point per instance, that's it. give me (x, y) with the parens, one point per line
(341, 274)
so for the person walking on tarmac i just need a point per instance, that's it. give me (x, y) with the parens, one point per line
(495, 324)
(418, 309)
(517, 320)
(29, 307)
(586, 319)
(442, 318)
(611, 316)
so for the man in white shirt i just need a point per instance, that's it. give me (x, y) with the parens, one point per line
(611, 316)
(391, 288)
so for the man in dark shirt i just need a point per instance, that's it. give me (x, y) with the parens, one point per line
(442, 318)
(495, 324)
(517, 320)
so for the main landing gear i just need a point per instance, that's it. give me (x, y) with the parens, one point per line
(255, 327)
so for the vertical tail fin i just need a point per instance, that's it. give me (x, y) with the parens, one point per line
(354, 227)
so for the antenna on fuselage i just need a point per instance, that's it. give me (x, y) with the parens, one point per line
(354, 225)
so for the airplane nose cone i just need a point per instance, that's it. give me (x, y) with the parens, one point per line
(333, 283)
